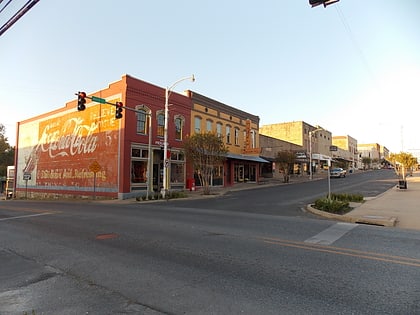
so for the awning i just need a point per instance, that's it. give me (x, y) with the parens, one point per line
(321, 157)
(246, 158)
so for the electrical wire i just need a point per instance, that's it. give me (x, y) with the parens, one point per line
(353, 40)
(26, 7)
(5, 6)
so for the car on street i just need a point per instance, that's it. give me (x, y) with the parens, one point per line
(338, 172)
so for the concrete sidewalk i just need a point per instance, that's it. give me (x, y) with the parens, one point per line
(398, 206)
(395, 207)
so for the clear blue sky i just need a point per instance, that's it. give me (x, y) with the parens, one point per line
(353, 67)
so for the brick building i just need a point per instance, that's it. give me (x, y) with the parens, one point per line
(240, 133)
(90, 152)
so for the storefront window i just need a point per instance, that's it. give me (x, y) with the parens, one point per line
(138, 171)
(177, 172)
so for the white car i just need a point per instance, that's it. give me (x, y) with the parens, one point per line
(338, 172)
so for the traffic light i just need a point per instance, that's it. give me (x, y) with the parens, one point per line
(81, 101)
(314, 3)
(118, 110)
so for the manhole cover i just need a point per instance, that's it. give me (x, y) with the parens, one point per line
(106, 236)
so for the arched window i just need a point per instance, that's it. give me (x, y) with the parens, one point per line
(179, 124)
(227, 134)
(197, 124)
(236, 136)
(219, 129)
(141, 121)
(209, 125)
(253, 139)
(160, 124)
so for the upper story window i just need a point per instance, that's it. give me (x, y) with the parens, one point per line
(160, 124)
(141, 121)
(179, 124)
(219, 129)
(227, 134)
(197, 124)
(253, 139)
(209, 125)
(236, 136)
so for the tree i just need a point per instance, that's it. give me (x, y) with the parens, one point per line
(366, 162)
(205, 151)
(7, 153)
(285, 160)
(403, 162)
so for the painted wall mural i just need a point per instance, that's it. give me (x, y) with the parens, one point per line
(66, 150)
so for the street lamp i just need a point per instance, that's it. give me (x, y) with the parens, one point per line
(165, 139)
(310, 150)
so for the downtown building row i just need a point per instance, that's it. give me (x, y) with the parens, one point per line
(88, 153)
(70, 152)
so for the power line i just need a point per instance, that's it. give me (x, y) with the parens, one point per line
(26, 7)
(5, 6)
(353, 40)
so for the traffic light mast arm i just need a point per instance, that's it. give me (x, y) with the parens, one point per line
(103, 101)
(100, 100)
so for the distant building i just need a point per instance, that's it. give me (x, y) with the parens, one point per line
(347, 150)
(270, 147)
(312, 139)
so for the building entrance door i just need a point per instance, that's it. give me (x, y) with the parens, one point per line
(239, 173)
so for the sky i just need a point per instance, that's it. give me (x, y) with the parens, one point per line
(352, 68)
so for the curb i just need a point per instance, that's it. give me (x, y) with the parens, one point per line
(371, 220)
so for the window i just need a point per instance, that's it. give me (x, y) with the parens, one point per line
(197, 124)
(236, 136)
(179, 122)
(177, 172)
(135, 152)
(209, 125)
(253, 139)
(138, 171)
(219, 129)
(141, 121)
(160, 125)
(227, 134)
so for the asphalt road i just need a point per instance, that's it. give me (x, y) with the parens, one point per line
(288, 200)
(175, 258)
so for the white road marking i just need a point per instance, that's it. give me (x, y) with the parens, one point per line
(333, 233)
(26, 216)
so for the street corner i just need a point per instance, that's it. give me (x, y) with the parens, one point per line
(369, 219)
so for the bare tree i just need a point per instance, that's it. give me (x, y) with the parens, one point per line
(205, 151)
(285, 160)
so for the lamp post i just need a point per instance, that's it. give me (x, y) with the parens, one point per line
(149, 156)
(310, 151)
(165, 135)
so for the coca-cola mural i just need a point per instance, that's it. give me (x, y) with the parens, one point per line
(59, 151)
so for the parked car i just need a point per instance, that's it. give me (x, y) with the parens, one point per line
(338, 172)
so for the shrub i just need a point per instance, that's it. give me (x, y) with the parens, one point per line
(177, 194)
(332, 205)
(347, 197)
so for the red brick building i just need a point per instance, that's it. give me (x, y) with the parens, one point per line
(91, 153)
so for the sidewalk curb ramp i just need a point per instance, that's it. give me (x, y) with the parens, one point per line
(370, 220)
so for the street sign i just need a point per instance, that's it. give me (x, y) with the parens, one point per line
(26, 176)
(98, 100)
(333, 148)
(166, 163)
(95, 167)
